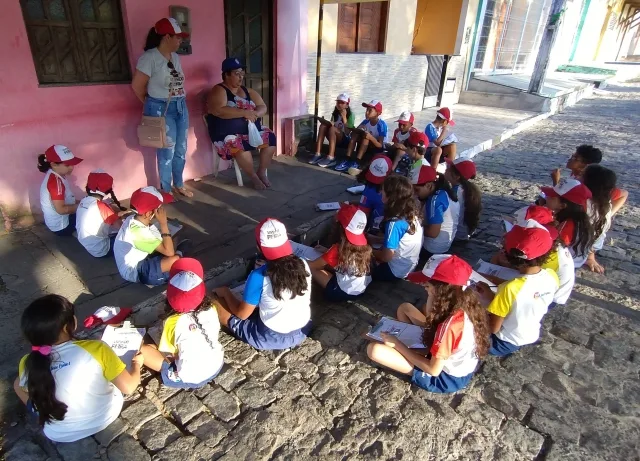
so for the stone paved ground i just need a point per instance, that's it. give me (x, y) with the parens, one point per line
(573, 396)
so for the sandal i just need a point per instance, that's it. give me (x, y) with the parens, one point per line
(183, 191)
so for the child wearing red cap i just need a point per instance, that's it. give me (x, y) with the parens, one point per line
(344, 270)
(56, 199)
(456, 330)
(398, 150)
(342, 117)
(441, 213)
(189, 354)
(516, 311)
(371, 199)
(97, 222)
(459, 175)
(442, 142)
(416, 149)
(137, 240)
(275, 312)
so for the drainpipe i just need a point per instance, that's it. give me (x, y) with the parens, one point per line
(318, 59)
(443, 78)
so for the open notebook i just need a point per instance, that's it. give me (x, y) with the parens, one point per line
(410, 335)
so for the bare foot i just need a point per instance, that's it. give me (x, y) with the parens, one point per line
(264, 179)
(183, 191)
(257, 183)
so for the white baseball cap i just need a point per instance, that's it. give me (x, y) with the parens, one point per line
(406, 117)
(378, 169)
(344, 97)
(272, 238)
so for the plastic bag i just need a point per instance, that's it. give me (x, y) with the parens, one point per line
(254, 135)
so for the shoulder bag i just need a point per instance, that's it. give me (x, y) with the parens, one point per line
(152, 131)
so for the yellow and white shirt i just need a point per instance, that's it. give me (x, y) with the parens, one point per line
(197, 361)
(83, 371)
(523, 302)
(561, 262)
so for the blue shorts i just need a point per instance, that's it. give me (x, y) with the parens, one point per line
(444, 383)
(170, 378)
(150, 271)
(70, 229)
(382, 273)
(255, 333)
(333, 292)
(427, 156)
(501, 348)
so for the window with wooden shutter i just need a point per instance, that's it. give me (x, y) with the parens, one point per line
(77, 41)
(362, 27)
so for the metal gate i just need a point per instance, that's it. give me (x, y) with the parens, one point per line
(434, 79)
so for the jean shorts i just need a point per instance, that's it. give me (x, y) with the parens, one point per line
(444, 383)
(150, 271)
(170, 378)
(255, 333)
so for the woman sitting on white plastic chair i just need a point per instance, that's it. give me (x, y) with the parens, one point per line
(230, 108)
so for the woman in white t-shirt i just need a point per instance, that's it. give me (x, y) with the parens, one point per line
(159, 83)
(56, 199)
(74, 388)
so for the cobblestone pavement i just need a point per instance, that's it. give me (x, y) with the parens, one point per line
(573, 396)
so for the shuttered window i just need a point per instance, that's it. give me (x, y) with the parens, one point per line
(362, 27)
(77, 41)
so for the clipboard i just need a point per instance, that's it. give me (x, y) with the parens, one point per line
(125, 340)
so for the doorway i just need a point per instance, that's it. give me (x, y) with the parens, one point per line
(249, 30)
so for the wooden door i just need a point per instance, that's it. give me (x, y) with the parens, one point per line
(249, 31)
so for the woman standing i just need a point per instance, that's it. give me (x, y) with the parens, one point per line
(231, 107)
(159, 83)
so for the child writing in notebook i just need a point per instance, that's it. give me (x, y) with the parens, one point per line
(337, 134)
(73, 387)
(189, 354)
(371, 199)
(455, 325)
(349, 260)
(459, 174)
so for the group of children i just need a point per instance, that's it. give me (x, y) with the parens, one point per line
(381, 238)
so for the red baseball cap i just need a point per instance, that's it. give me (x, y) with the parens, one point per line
(148, 199)
(444, 268)
(530, 237)
(465, 167)
(99, 182)
(570, 189)
(423, 174)
(169, 26)
(417, 138)
(540, 214)
(406, 117)
(378, 169)
(354, 221)
(186, 288)
(272, 239)
(107, 315)
(61, 154)
(374, 104)
(445, 113)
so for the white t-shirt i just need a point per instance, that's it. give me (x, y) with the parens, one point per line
(94, 219)
(134, 243)
(462, 232)
(405, 246)
(83, 371)
(439, 209)
(523, 302)
(280, 315)
(197, 360)
(561, 262)
(455, 343)
(349, 283)
(55, 187)
(161, 77)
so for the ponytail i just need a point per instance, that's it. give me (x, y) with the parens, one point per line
(443, 184)
(288, 273)
(204, 305)
(582, 237)
(43, 165)
(115, 200)
(601, 182)
(153, 39)
(472, 204)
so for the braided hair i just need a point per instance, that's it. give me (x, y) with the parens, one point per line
(204, 305)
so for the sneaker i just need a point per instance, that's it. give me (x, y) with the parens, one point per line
(343, 166)
(315, 159)
(327, 162)
(354, 168)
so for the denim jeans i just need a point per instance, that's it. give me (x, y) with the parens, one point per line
(171, 159)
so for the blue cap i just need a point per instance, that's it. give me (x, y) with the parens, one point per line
(230, 64)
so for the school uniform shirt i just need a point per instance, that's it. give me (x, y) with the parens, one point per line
(82, 371)
(349, 283)
(378, 130)
(161, 78)
(94, 219)
(371, 204)
(414, 171)
(455, 343)
(523, 302)
(55, 187)
(134, 243)
(462, 232)
(280, 315)
(561, 262)
(405, 246)
(439, 209)
(338, 123)
(400, 137)
(181, 336)
(434, 133)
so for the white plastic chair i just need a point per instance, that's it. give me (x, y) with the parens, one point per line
(217, 160)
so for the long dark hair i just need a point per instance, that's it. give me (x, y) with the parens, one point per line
(42, 323)
(400, 202)
(288, 273)
(472, 200)
(204, 305)
(336, 113)
(43, 165)
(582, 237)
(442, 184)
(153, 39)
(353, 259)
(601, 182)
(111, 193)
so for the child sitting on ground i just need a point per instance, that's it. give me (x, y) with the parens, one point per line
(137, 240)
(371, 199)
(456, 330)
(516, 311)
(372, 141)
(398, 148)
(441, 215)
(275, 311)
(194, 355)
(416, 149)
(459, 174)
(337, 135)
(442, 142)
(402, 239)
(349, 259)
(56, 199)
(423, 178)
(97, 222)
(74, 388)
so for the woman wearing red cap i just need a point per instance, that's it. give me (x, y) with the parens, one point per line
(159, 83)
(58, 203)
(459, 175)
(455, 329)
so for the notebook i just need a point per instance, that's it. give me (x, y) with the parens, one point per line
(409, 335)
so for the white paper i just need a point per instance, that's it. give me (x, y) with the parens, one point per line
(475, 278)
(305, 252)
(355, 190)
(239, 290)
(494, 270)
(327, 206)
(173, 228)
(125, 341)
(409, 335)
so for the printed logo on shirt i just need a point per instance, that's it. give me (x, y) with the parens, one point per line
(60, 366)
(192, 327)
